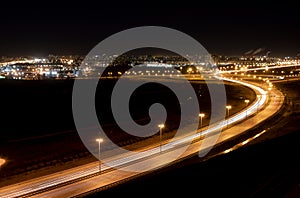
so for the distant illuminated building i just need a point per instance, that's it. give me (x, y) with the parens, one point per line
(40, 70)
(155, 64)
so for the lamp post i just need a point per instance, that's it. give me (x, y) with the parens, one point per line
(161, 126)
(201, 115)
(228, 107)
(99, 140)
(246, 101)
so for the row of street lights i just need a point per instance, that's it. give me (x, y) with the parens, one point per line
(228, 107)
(161, 126)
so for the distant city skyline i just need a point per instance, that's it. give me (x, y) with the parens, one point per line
(222, 28)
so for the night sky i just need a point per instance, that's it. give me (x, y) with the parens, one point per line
(53, 27)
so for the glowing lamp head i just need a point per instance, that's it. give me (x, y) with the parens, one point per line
(228, 107)
(201, 115)
(99, 140)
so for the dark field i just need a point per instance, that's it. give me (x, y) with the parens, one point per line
(38, 135)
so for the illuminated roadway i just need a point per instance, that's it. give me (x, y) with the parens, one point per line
(149, 159)
(258, 68)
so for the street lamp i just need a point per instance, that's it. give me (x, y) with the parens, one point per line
(228, 107)
(161, 126)
(201, 115)
(99, 140)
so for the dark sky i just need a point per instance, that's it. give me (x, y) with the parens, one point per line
(75, 28)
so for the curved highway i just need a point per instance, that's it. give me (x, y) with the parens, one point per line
(60, 184)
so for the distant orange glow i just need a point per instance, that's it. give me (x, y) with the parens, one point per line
(2, 161)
